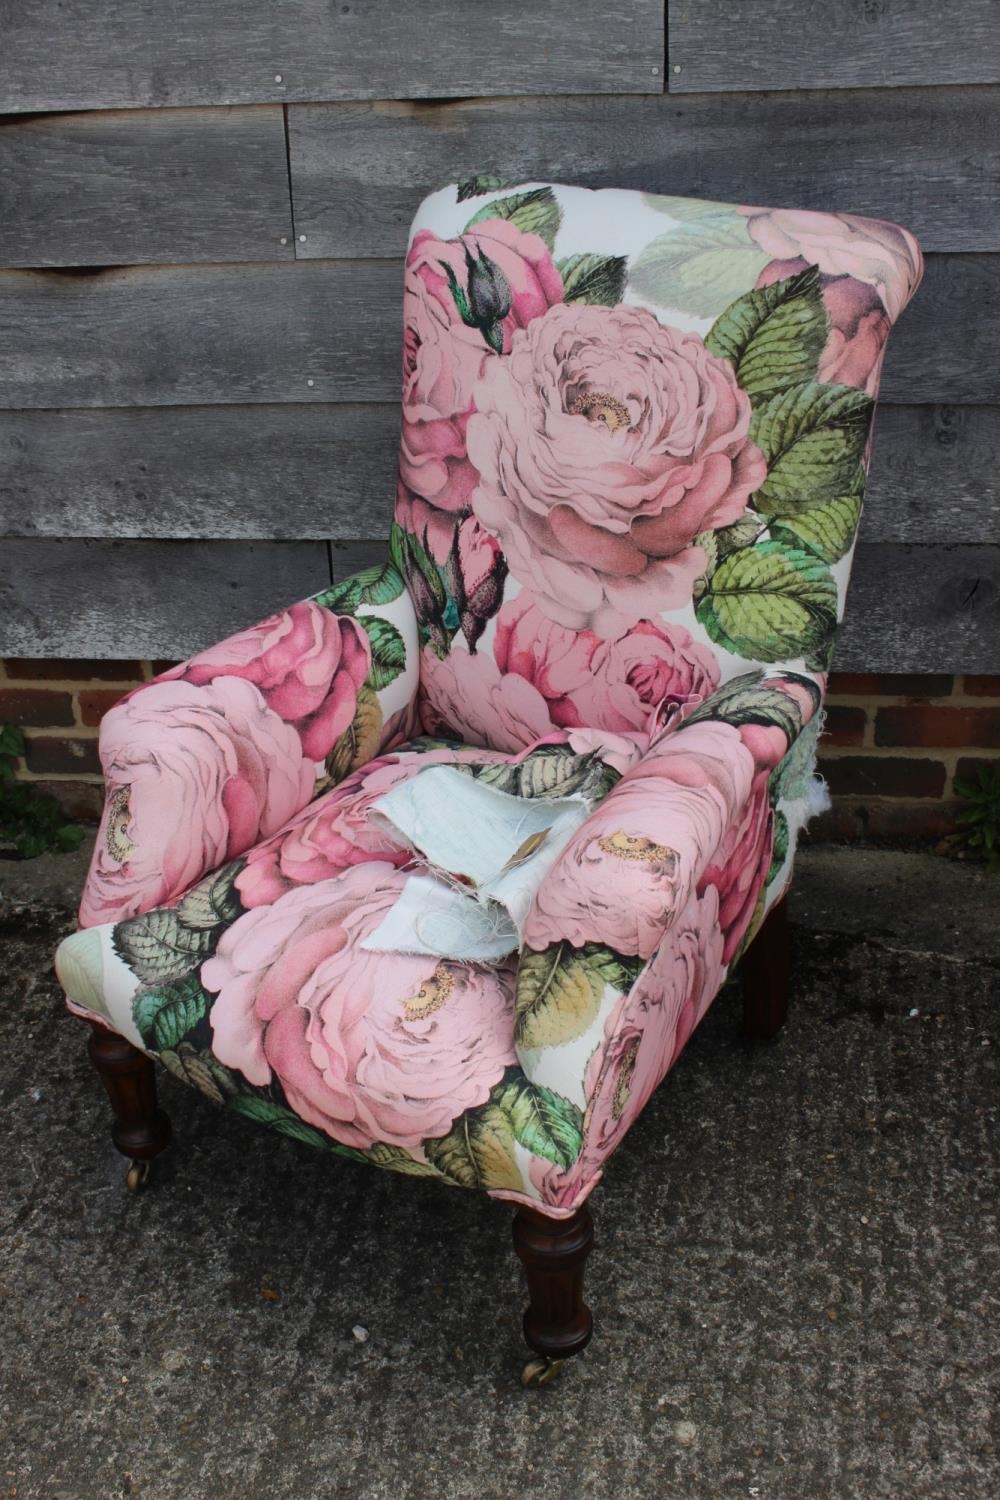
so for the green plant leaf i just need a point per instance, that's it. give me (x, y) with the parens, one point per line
(593, 278)
(699, 266)
(749, 699)
(774, 335)
(542, 1121)
(376, 585)
(770, 603)
(533, 212)
(828, 529)
(478, 1151)
(388, 650)
(813, 437)
(166, 1014)
(559, 990)
(12, 740)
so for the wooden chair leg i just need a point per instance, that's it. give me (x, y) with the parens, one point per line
(764, 969)
(139, 1129)
(557, 1323)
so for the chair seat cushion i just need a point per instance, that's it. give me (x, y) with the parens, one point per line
(255, 986)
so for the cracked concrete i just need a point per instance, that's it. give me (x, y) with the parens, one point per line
(794, 1285)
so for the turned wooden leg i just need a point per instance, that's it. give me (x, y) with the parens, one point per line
(557, 1322)
(139, 1129)
(765, 969)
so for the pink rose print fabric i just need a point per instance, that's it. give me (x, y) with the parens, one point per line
(604, 445)
(309, 665)
(194, 776)
(350, 1034)
(626, 501)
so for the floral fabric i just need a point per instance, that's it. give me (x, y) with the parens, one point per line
(634, 441)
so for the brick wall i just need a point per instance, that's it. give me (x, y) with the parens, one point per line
(892, 747)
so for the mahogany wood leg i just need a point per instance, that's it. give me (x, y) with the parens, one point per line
(557, 1322)
(764, 970)
(139, 1129)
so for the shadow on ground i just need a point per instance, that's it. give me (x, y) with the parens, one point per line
(793, 1286)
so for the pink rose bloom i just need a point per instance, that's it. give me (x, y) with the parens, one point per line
(643, 1037)
(465, 697)
(195, 776)
(739, 867)
(885, 256)
(588, 682)
(366, 1046)
(308, 663)
(859, 326)
(636, 860)
(443, 356)
(605, 443)
(336, 831)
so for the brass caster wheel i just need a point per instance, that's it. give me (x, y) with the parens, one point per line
(137, 1175)
(540, 1371)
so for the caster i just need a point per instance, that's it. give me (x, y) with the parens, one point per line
(137, 1175)
(541, 1371)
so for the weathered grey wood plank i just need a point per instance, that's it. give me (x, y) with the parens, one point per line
(923, 157)
(146, 599)
(800, 44)
(177, 335)
(297, 472)
(127, 186)
(282, 472)
(330, 331)
(96, 54)
(922, 609)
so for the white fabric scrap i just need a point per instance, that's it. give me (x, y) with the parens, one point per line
(487, 853)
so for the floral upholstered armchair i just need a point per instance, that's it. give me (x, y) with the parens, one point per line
(440, 868)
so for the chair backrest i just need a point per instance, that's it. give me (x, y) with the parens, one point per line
(634, 442)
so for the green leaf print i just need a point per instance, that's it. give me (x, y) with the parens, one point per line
(593, 278)
(533, 212)
(165, 1015)
(170, 941)
(774, 335)
(388, 650)
(813, 437)
(377, 585)
(478, 1151)
(700, 265)
(770, 603)
(542, 1120)
(828, 529)
(559, 990)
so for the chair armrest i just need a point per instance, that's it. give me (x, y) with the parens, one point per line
(218, 753)
(632, 930)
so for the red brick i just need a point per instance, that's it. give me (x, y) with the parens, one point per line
(59, 670)
(883, 776)
(938, 728)
(891, 684)
(52, 754)
(982, 687)
(898, 822)
(82, 801)
(95, 702)
(844, 725)
(38, 706)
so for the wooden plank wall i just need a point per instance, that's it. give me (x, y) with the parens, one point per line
(202, 213)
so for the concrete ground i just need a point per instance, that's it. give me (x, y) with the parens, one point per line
(795, 1284)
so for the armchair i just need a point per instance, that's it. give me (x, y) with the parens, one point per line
(634, 441)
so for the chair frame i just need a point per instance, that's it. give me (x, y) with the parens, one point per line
(557, 1322)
